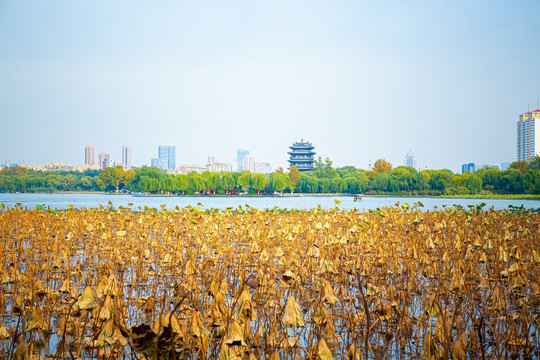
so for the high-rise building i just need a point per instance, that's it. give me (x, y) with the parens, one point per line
(410, 160)
(470, 167)
(248, 163)
(103, 160)
(302, 155)
(240, 154)
(126, 157)
(212, 159)
(89, 155)
(166, 157)
(528, 135)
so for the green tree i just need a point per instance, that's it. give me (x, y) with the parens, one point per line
(522, 166)
(113, 177)
(440, 180)
(148, 179)
(473, 183)
(278, 182)
(228, 181)
(196, 181)
(324, 169)
(212, 180)
(531, 182)
(258, 182)
(535, 162)
(511, 181)
(181, 182)
(245, 180)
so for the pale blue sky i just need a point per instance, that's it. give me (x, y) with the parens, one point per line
(446, 80)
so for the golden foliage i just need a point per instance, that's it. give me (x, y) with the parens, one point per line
(399, 283)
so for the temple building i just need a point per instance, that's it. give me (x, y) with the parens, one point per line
(302, 155)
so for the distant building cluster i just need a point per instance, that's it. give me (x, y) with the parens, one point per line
(104, 160)
(244, 161)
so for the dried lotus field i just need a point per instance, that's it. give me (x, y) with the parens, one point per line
(247, 284)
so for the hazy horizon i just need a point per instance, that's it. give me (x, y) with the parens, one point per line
(358, 80)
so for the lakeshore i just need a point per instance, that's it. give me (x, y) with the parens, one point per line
(96, 200)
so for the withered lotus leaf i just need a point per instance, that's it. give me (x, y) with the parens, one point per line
(36, 321)
(4, 334)
(196, 327)
(144, 339)
(329, 296)
(498, 301)
(292, 314)
(235, 336)
(107, 309)
(65, 288)
(245, 311)
(21, 352)
(323, 352)
(353, 354)
(85, 301)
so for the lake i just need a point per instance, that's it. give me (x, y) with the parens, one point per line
(62, 201)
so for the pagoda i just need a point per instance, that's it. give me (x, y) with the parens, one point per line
(302, 155)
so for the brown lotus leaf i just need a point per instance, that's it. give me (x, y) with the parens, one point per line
(431, 307)
(213, 288)
(245, 310)
(235, 335)
(4, 334)
(353, 354)
(329, 296)
(292, 314)
(85, 301)
(144, 339)
(36, 321)
(196, 327)
(107, 309)
(21, 352)
(323, 352)
(224, 287)
(65, 286)
(498, 301)
(457, 351)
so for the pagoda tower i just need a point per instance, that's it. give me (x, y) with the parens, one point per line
(302, 155)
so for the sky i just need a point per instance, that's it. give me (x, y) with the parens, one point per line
(360, 80)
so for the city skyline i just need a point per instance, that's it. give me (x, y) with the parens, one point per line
(359, 80)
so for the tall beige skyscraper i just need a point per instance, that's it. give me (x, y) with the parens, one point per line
(89, 155)
(126, 156)
(528, 135)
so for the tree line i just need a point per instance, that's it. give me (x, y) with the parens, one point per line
(383, 178)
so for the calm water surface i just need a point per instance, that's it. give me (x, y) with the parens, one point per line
(62, 201)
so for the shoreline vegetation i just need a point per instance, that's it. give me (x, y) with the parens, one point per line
(519, 181)
(288, 195)
(306, 284)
